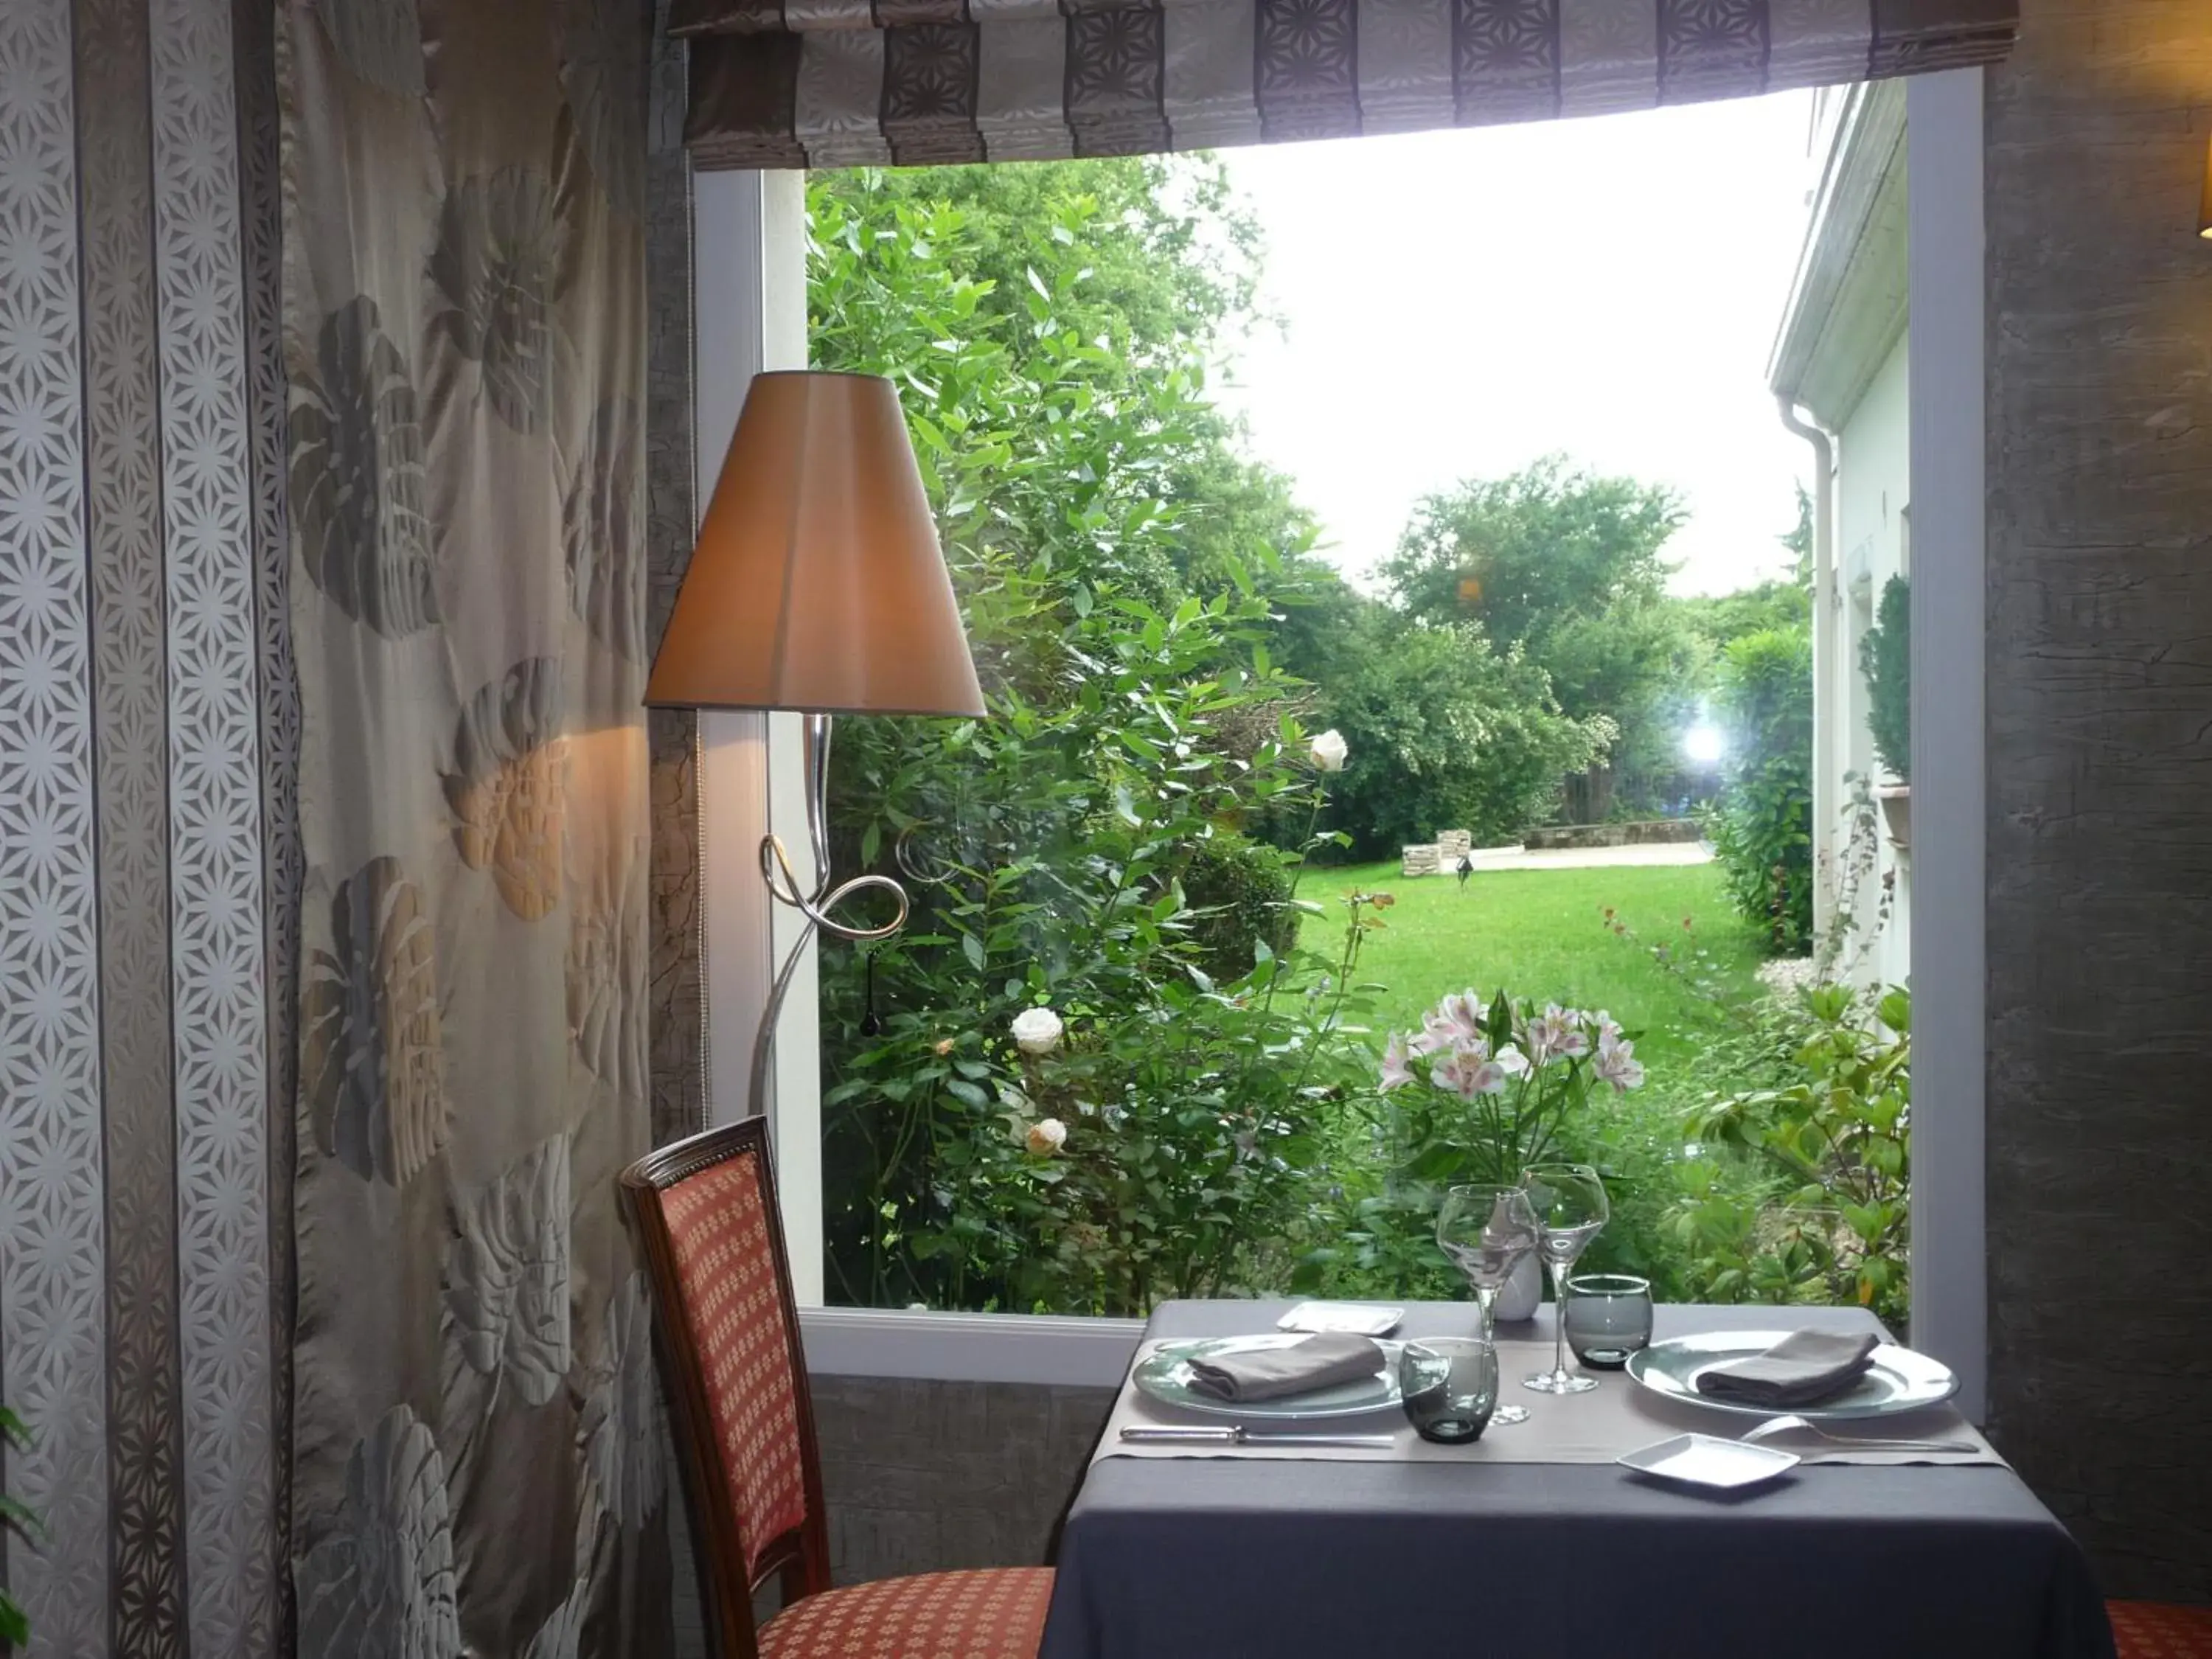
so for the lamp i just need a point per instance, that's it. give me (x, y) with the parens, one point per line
(817, 585)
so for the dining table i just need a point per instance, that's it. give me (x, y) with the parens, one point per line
(1542, 1546)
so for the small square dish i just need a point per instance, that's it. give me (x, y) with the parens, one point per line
(1344, 1318)
(1699, 1460)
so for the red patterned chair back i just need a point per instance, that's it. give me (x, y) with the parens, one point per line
(706, 1213)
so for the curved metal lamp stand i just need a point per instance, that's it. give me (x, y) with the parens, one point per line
(816, 905)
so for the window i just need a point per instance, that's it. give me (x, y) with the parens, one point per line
(1048, 813)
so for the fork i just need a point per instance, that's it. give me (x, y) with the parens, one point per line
(1792, 1424)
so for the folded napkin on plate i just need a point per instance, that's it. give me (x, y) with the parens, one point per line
(1803, 1369)
(1319, 1362)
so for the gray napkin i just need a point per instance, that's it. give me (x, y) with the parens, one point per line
(1319, 1362)
(1803, 1369)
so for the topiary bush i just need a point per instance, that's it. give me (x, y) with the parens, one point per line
(1886, 660)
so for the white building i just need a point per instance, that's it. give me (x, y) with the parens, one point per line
(1838, 370)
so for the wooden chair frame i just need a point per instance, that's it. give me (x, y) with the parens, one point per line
(800, 1556)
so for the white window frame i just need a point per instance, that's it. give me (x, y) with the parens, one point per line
(749, 305)
(748, 256)
(1948, 402)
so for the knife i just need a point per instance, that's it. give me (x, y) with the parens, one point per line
(1135, 1434)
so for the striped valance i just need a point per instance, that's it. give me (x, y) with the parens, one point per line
(830, 83)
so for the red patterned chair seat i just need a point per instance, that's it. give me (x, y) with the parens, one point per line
(2146, 1630)
(994, 1614)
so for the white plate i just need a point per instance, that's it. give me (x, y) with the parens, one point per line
(1698, 1459)
(1899, 1380)
(1355, 1318)
(1164, 1376)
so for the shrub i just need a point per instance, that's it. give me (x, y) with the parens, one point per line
(1046, 846)
(1239, 893)
(1886, 660)
(1763, 830)
(1819, 1211)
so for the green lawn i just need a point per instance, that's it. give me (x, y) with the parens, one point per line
(1541, 933)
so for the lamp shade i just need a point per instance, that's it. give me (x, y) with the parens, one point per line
(818, 584)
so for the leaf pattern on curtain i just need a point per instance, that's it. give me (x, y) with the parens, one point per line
(606, 964)
(500, 264)
(624, 1420)
(505, 789)
(372, 1063)
(381, 1584)
(506, 1274)
(379, 40)
(603, 73)
(465, 315)
(603, 529)
(357, 474)
(561, 1635)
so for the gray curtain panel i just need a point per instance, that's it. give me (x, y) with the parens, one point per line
(478, 1444)
(147, 730)
(830, 83)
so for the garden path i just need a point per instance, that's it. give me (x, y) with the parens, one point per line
(1586, 858)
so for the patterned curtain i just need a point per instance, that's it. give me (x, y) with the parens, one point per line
(147, 730)
(477, 1434)
(832, 83)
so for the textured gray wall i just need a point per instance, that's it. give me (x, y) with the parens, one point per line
(2101, 780)
(921, 1476)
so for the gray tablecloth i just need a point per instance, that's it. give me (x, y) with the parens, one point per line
(1321, 1560)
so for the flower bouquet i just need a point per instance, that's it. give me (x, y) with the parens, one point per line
(1506, 1077)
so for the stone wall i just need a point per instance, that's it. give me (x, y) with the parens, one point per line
(2099, 712)
(1647, 832)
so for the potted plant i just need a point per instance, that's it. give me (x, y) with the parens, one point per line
(1886, 660)
(1507, 1076)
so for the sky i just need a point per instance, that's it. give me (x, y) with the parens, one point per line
(1458, 304)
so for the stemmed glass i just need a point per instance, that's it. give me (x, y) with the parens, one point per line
(1487, 1231)
(1570, 1208)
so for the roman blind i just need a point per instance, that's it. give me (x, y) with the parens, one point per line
(831, 84)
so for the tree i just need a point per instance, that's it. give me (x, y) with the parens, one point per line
(1783, 602)
(1150, 262)
(1447, 733)
(1569, 569)
(1526, 553)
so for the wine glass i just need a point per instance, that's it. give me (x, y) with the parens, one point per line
(1487, 1231)
(1570, 1208)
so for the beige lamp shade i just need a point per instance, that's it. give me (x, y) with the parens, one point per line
(818, 583)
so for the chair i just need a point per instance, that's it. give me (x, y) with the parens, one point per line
(2149, 1630)
(706, 1213)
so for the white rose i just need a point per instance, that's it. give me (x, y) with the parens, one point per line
(1036, 1031)
(1046, 1137)
(1327, 752)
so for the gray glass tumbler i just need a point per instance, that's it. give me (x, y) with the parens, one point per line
(1608, 1318)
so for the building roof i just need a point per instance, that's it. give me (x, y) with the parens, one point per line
(1847, 307)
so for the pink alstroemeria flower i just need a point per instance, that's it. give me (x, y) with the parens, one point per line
(1618, 1065)
(1395, 1054)
(1464, 1012)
